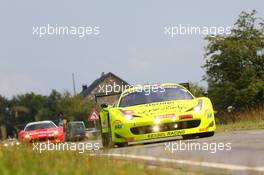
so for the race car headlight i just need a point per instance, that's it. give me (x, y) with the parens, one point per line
(199, 106)
(27, 136)
(157, 120)
(128, 114)
(55, 132)
(128, 117)
(156, 128)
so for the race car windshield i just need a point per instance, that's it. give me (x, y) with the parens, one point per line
(167, 94)
(40, 126)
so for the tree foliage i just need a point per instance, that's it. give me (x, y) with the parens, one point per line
(197, 91)
(75, 107)
(29, 107)
(234, 67)
(3, 107)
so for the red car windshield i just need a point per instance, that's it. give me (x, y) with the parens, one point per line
(168, 94)
(40, 126)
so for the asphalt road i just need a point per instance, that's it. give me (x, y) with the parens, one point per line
(239, 152)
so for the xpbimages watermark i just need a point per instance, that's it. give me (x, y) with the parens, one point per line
(64, 30)
(173, 147)
(115, 88)
(80, 147)
(180, 30)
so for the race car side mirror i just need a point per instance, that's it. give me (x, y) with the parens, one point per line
(104, 105)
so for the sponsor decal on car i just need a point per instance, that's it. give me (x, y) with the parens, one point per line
(172, 133)
(117, 124)
(166, 116)
(166, 134)
(210, 115)
(155, 135)
(157, 110)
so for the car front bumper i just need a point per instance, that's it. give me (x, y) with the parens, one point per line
(149, 129)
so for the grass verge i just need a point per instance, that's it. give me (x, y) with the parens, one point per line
(241, 125)
(23, 160)
(247, 120)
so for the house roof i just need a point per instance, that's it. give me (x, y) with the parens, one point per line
(96, 83)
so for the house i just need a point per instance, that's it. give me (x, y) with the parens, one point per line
(105, 89)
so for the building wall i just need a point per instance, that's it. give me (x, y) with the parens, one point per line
(110, 100)
(108, 85)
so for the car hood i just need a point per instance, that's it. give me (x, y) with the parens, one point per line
(163, 108)
(42, 131)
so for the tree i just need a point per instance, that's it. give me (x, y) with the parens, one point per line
(50, 109)
(75, 107)
(234, 67)
(27, 106)
(3, 114)
(197, 90)
(3, 106)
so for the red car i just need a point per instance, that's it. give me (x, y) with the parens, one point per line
(42, 131)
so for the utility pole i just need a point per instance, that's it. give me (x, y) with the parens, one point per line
(73, 83)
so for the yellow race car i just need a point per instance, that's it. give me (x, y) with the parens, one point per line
(156, 111)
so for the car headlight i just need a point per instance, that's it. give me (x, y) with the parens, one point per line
(157, 121)
(128, 114)
(27, 136)
(199, 106)
(156, 128)
(128, 117)
(56, 133)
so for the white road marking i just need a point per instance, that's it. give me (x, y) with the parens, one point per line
(187, 162)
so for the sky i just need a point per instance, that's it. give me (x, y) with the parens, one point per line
(132, 42)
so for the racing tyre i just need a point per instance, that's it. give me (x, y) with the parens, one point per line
(122, 144)
(107, 138)
(206, 134)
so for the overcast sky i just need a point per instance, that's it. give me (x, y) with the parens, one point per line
(131, 43)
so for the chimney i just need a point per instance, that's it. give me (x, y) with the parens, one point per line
(84, 87)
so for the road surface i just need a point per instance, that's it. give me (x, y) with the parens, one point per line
(240, 152)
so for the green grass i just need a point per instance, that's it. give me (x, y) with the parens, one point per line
(248, 120)
(23, 160)
(240, 125)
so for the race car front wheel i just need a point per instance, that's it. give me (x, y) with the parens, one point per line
(107, 138)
